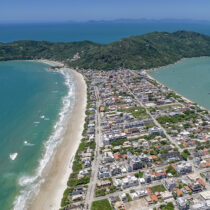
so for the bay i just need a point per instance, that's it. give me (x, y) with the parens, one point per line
(189, 77)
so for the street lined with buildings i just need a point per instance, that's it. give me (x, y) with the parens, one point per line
(151, 146)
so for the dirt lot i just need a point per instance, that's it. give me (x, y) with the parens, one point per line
(136, 204)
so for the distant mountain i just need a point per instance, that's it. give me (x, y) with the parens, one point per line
(144, 20)
(137, 52)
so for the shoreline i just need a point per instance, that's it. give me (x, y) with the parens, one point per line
(59, 168)
(171, 64)
(146, 72)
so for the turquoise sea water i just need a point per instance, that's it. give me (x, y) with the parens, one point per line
(31, 100)
(105, 32)
(189, 77)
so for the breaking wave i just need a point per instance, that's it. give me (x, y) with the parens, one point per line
(31, 184)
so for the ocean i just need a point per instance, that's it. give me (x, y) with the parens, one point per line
(189, 77)
(100, 32)
(34, 103)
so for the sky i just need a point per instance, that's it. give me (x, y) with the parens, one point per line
(13, 11)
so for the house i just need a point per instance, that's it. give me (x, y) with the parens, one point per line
(154, 198)
(188, 190)
(144, 158)
(108, 157)
(135, 144)
(119, 205)
(182, 203)
(166, 195)
(133, 130)
(205, 195)
(123, 197)
(103, 172)
(111, 136)
(91, 117)
(147, 177)
(201, 182)
(134, 196)
(184, 168)
(171, 156)
(134, 124)
(149, 200)
(126, 144)
(78, 191)
(160, 174)
(199, 206)
(129, 181)
(144, 145)
(157, 175)
(91, 130)
(134, 161)
(195, 186)
(142, 180)
(104, 183)
(87, 155)
(155, 130)
(141, 193)
(78, 197)
(118, 156)
(91, 110)
(170, 184)
(115, 170)
(102, 109)
(177, 192)
(112, 200)
(87, 163)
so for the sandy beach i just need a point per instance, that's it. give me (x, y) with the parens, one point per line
(57, 172)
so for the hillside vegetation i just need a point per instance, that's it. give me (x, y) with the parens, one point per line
(137, 52)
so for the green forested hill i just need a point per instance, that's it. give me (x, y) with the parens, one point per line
(49, 50)
(137, 52)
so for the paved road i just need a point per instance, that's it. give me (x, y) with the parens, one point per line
(173, 141)
(137, 188)
(153, 118)
(95, 163)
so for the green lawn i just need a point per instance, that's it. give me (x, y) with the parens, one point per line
(138, 112)
(158, 188)
(101, 204)
(169, 206)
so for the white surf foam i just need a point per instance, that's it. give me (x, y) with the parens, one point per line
(13, 156)
(31, 184)
(28, 144)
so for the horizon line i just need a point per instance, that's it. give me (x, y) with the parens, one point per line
(107, 20)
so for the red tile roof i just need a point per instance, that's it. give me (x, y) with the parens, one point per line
(201, 182)
(149, 191)
(154, 197)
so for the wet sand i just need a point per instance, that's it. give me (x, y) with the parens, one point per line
(59, 168)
